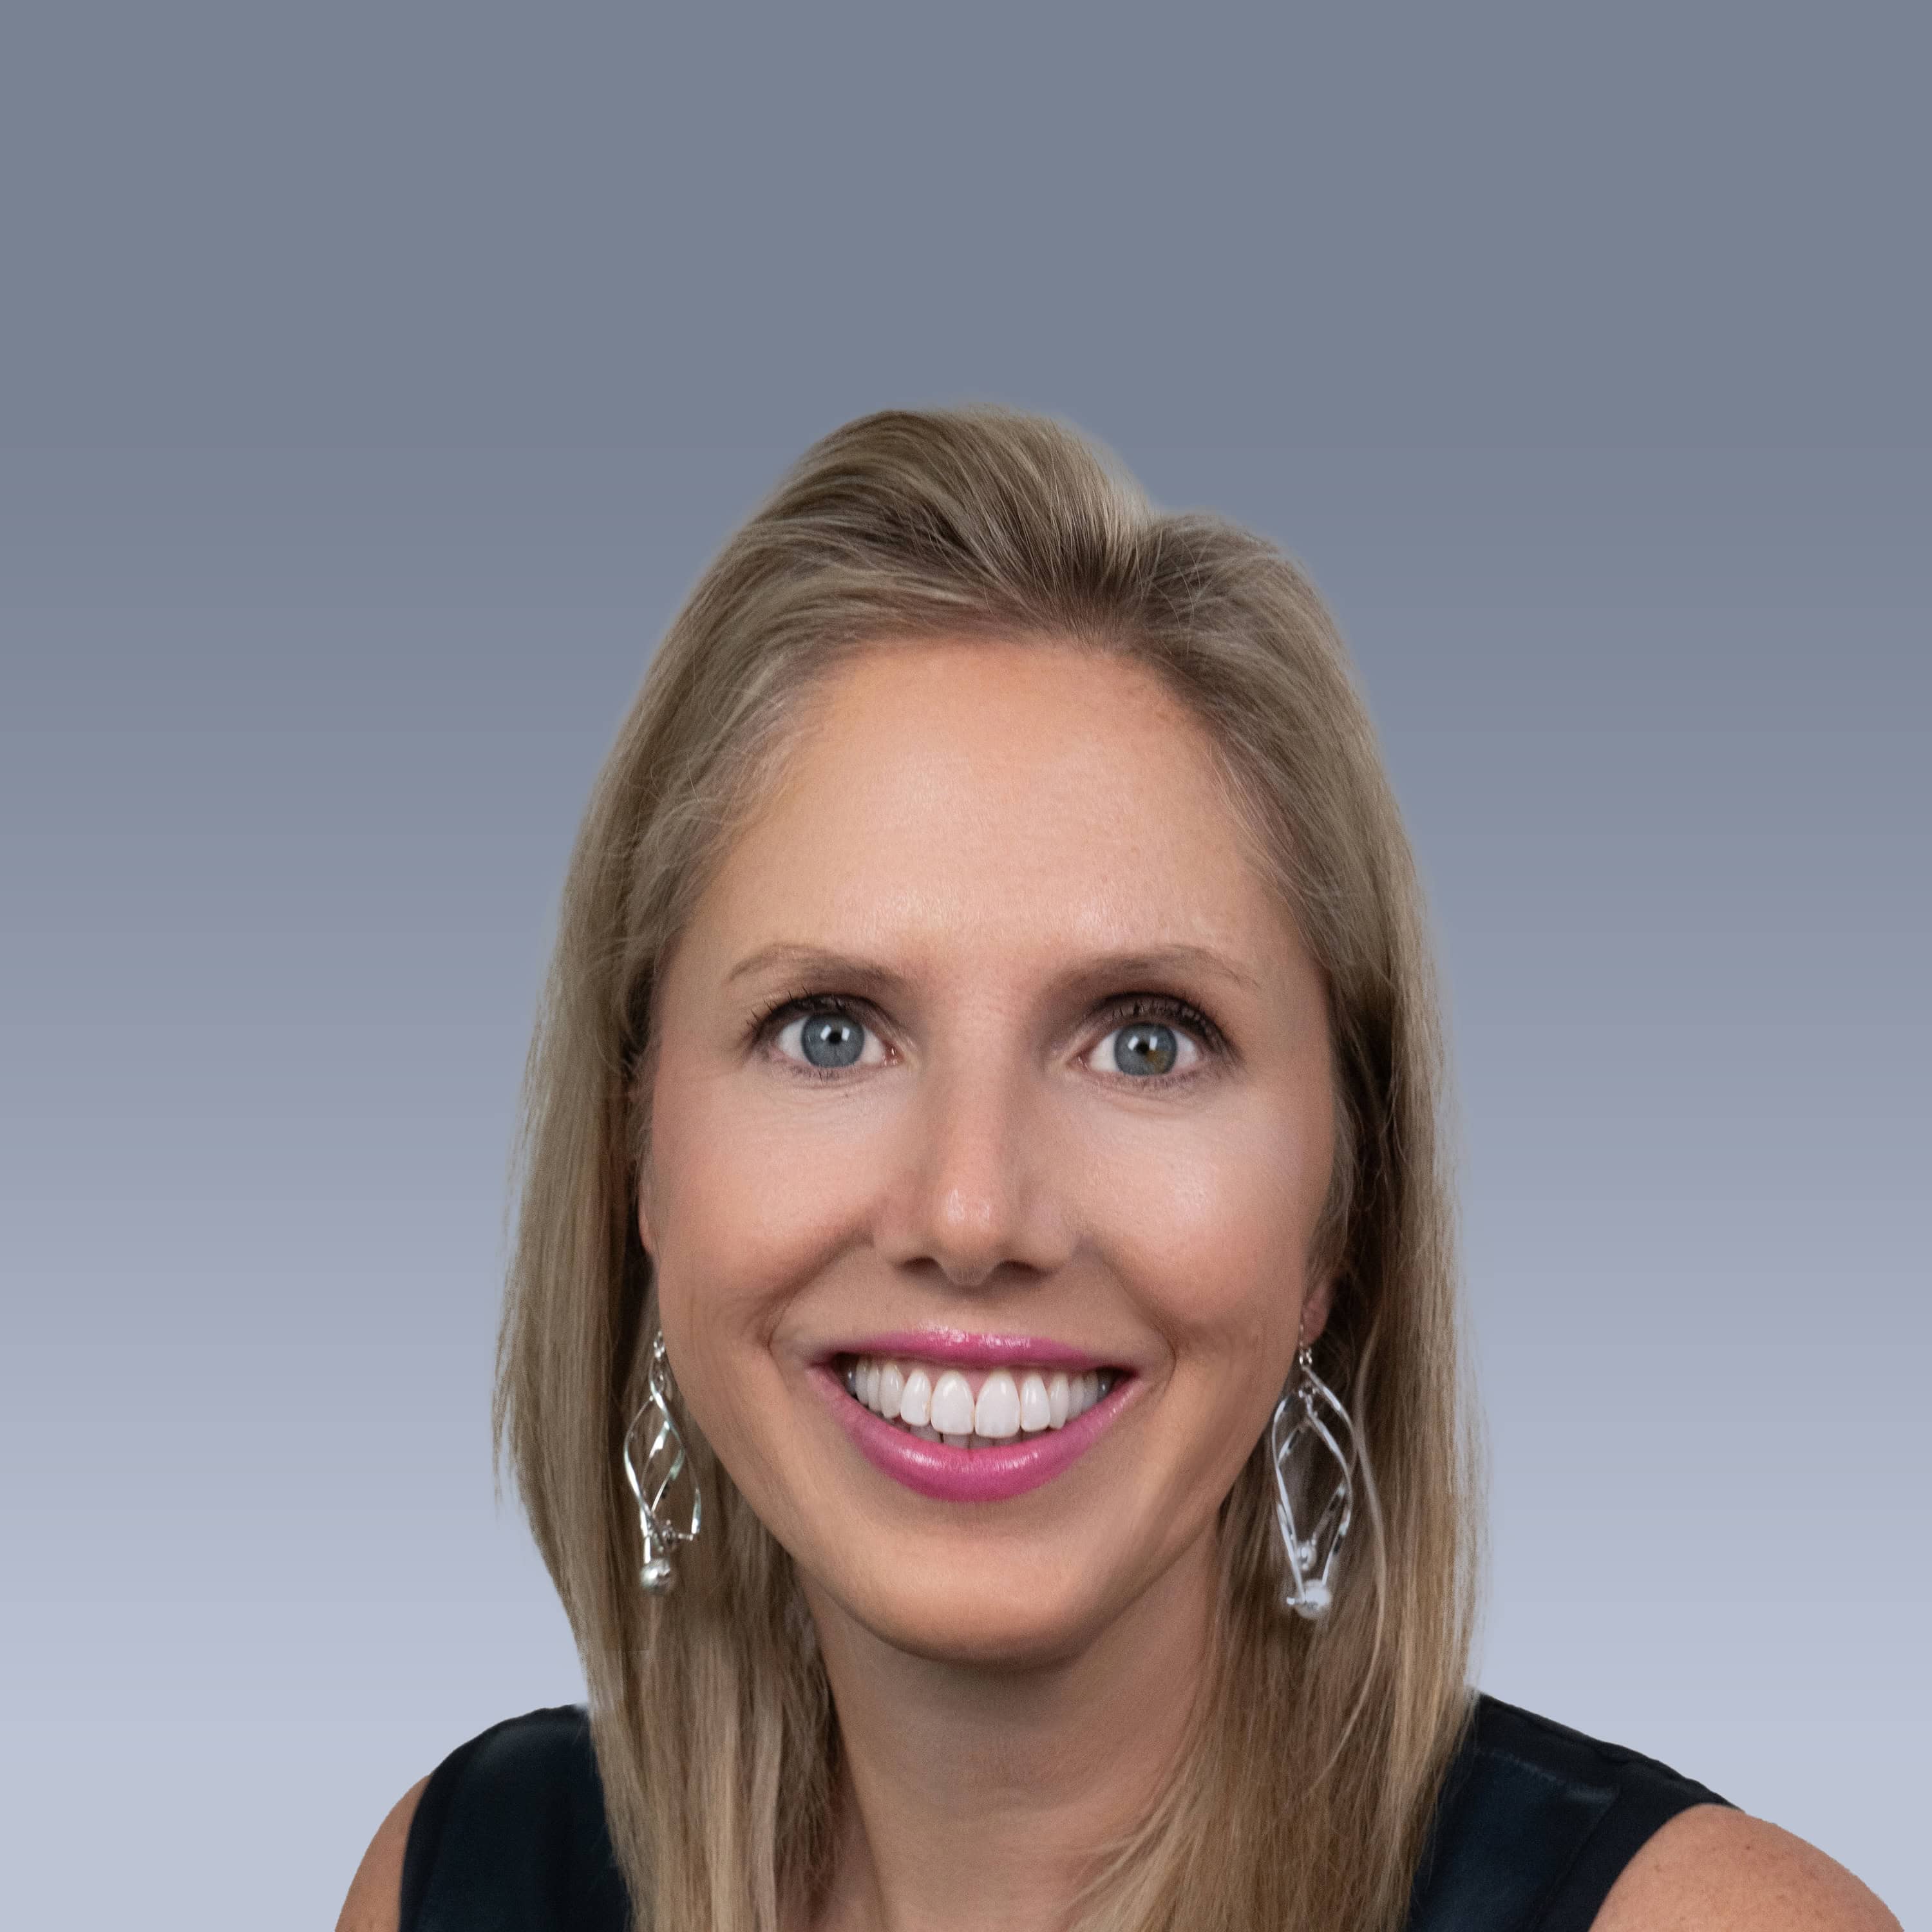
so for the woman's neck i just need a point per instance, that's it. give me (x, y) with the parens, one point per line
(973, 1796)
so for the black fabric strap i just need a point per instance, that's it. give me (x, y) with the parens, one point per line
(424, 1844)
(1648, 1796)
(1535, 1822)
(510, 1835)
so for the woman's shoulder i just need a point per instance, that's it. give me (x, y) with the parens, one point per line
(1542, 1826)
(509, 1829)
(1722, 1871)
(374, 1891)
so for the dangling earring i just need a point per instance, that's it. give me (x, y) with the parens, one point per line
(669, 1504)
(1313, 1433)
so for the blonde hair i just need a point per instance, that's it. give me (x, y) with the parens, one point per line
(1305, 1789)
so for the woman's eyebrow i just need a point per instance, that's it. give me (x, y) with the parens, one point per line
(872, 976)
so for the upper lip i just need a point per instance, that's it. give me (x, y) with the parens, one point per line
(969, 1349)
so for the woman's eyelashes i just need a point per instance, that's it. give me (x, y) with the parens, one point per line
(831, 1034)
(1152, 1038)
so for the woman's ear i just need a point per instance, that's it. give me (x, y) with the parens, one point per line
(643, 1209)
(644, 1202)
(1316, 1306)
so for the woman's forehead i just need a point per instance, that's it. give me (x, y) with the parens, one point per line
(1020, 794)
(931, 742)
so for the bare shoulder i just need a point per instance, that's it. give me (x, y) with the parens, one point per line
(375, 1900)
(1713, 1870)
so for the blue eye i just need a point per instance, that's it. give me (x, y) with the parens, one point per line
(1158, 1039)
(1148, 1045)
(1145, 1048)
(831, 1036)
(831, 1039)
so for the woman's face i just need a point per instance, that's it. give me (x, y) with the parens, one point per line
(1071, 1106)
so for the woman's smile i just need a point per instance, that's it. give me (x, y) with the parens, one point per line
(972, 1408)
(1001, 1433)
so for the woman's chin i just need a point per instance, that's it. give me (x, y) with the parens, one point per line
(990, 1623)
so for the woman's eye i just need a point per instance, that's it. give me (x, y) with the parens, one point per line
(828, 1040)
(1148, 1049)
(824, 1035)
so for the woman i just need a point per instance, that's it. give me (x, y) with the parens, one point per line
(985, 1243)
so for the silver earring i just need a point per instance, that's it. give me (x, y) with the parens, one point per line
(669, 1505)
(1312, 1446)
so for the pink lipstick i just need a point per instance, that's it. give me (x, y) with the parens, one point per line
(966, 1350)
(989, 1474)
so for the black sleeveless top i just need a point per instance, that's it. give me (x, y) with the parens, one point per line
(1534, 1823)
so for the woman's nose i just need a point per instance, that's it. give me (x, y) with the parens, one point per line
(972, 1184)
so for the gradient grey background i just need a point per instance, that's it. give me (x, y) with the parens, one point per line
(374, 381)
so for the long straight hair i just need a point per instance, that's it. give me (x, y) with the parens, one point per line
(1303, 1793)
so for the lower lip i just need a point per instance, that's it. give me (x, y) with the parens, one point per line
(989, 1475)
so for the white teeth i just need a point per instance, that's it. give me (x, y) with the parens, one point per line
(1058, 1398)
(996, 1415)
(946, 1410)
(916, 1400)
(1036, 1411)
(953, 1405)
